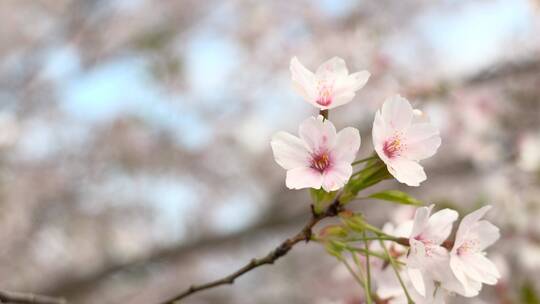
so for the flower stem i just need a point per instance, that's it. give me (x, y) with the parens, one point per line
(352, 272)
(324, 113)
(363, 160)
(368, 272)
(396, 271)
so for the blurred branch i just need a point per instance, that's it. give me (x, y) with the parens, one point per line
(270, 258)
(28, 298)
(75, 286)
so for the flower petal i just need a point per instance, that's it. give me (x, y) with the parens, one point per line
(304, 81)
(421, 218)
(347, 144)
(467, 223)
(480, 268)
(300, 178)
(422, 141)
(440, 225)
(318, 134)
(417, 280)
(407, 171)
(336, 176)
(332, 68)
(487, 234)
(289, 151)
(341, 99)
(470, 287)
(397, 113)
(345, 87)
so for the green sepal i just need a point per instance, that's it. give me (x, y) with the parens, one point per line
(321, 199)
(335, 248)
(374, 172)
(333, 232)
(353, 221)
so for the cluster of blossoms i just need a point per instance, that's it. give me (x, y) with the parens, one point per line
(426, 263)
(434, 265)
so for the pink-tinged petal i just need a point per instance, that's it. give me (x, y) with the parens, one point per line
(379, 135)
(487, 234)
(344, 88)
(421, 218)
(468, 288)
(341, 99)
(407, 171)
(304, 81)
(331, 68)
(417, 280)
(457, 268)
(336, 176)
(318, 134)
(468, 222)
(480, 268)
(358, 80)
(422, 150)
(300, 178)
(397, 113)
(440, 225)
(289, 151)
(347, 144)
(421, 141)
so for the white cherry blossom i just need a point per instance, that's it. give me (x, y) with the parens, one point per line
(320, 157)
(403, 136)
(428, 260)
(330, 86)
(468, 260)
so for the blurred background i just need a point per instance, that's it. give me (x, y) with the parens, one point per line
(134, 138)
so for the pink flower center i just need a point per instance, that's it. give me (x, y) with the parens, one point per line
(320, 161)
(392, 147)
(325, 95)
(468, 246)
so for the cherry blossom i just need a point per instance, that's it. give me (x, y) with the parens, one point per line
(320, 157)
(428, 260)
(467, 258)
(330, 86)
(402, 137)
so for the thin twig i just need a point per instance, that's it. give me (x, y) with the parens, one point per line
(28, 298)
(304, 235)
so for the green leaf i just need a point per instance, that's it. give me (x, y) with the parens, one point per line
(396, 196)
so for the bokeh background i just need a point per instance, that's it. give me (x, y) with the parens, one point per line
(134, 138)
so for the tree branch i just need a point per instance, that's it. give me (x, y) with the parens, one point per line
(28, 298)
(304, 235)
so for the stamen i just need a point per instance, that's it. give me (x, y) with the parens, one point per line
(325, 94)
(468, 246)
(393, 147)
(320, 162)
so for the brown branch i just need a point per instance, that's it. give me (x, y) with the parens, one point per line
(28, 298)
(270, 258)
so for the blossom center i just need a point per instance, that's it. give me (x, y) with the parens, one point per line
(392, 147)
(325, 95)
(320, 162)
(467, 247)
